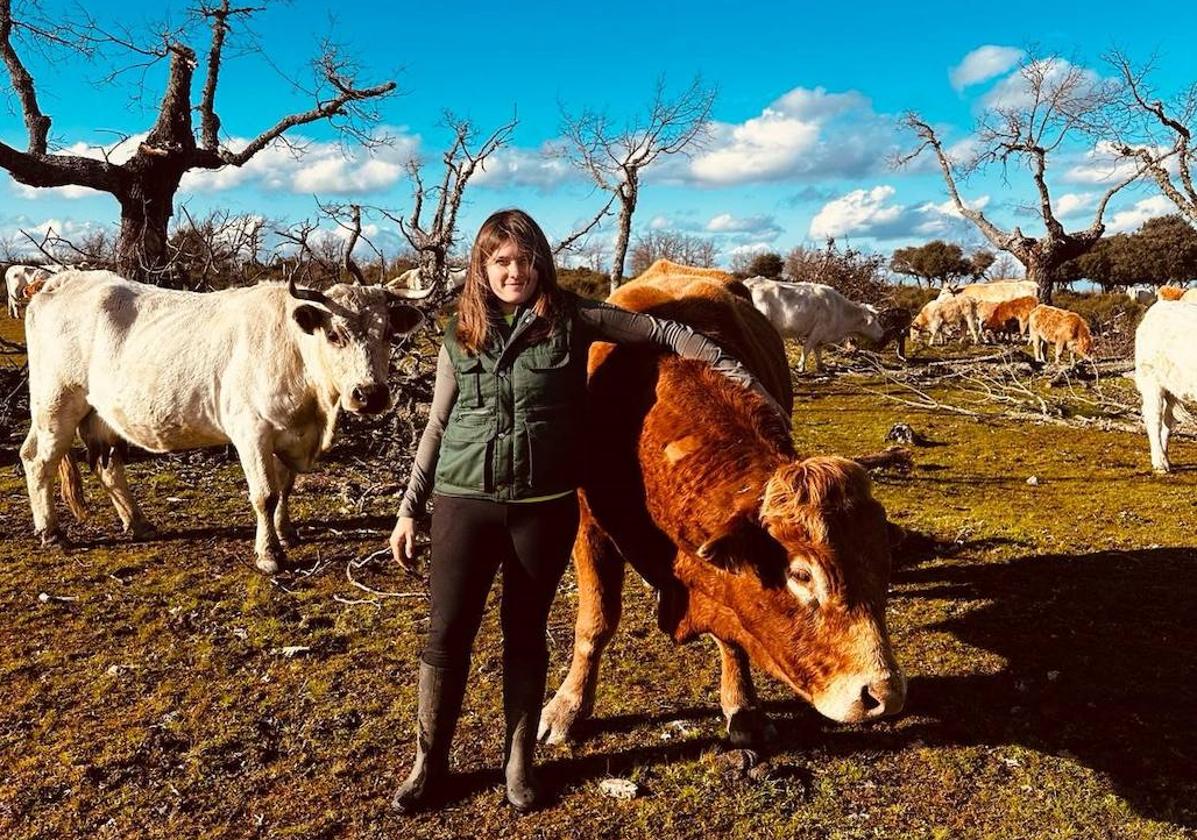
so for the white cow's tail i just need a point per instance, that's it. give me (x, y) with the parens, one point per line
(71, 485)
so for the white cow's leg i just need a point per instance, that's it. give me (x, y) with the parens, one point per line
(282, 513)
(1169, 421)
(257, 462)
(113, 478)
(802, 359)
(600, 568)
(746, 724)
(819, 357)
(49, 438)
(1153, 420)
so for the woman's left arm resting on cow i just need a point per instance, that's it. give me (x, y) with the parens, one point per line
(622, 326)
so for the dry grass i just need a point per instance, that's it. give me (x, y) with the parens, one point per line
(1046, 630)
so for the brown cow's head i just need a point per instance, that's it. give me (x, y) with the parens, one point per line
(347, 348)
(802, 587)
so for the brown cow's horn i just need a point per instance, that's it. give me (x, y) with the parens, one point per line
(306, 294)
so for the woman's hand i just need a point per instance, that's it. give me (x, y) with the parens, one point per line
(403, 543)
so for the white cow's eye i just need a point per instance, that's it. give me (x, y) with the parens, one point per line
(335, 339)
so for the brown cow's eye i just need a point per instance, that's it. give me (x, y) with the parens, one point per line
(800, 576)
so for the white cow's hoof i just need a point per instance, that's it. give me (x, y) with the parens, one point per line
(52, 537)
(271, 562)
(141, 529)
(289, 536)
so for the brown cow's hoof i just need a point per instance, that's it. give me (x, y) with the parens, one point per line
(750, 728)
(558, 718)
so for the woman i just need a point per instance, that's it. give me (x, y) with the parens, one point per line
(501, 450)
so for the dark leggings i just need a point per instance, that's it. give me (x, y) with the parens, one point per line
(471, 539)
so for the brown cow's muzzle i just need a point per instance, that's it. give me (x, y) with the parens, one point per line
(854, 698)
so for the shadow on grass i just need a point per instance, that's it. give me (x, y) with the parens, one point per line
(1102, 653)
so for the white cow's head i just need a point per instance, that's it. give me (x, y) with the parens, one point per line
(870, 326)
(344, 338)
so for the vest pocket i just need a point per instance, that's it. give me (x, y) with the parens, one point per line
(465, 455)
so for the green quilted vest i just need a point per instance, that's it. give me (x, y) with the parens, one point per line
(515, 430)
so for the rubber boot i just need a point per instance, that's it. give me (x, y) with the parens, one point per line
(439, 695)
(523, 693)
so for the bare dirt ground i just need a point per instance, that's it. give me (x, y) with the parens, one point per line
(166, 689)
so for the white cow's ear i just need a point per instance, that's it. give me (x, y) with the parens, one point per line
(310, 318)
(403, 318)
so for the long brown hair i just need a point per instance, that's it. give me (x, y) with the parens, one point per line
(478, 307)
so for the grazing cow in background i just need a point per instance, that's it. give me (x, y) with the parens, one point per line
(958, 311)
(695, 482)
(814, 314)
(1011, 316)
(995, 292)
(1169, 293)
(1066, 330)
(266, 368)
(16, 279)
(1144, 295)
(1165, 372)
(414, 280)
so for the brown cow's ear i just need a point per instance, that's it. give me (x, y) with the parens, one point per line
(310, 318)
(732, 546)
(403, 318)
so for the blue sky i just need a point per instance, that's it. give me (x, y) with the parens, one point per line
(806, 115)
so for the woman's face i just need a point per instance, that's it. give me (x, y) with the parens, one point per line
(511, 276)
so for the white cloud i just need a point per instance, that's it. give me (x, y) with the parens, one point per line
(512, 167)
(1016, 91)
(873, 213)
(14, 240)
(983, 64)
(1125, 221)
(1103, 166)
(862, 212)
(807, 133)
(757, 225)
(1071, 204)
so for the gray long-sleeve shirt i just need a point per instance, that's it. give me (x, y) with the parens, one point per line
(595, 322)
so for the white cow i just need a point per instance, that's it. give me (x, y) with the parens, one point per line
(1144, 295)
(16, 279)
(1165, 371)
(814, 314)
(414, 280)
(996, 291)
(266, 368)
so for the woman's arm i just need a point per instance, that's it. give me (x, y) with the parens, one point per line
(444, 395)
(605, 322)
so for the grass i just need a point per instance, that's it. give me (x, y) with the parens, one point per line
(1046, 632)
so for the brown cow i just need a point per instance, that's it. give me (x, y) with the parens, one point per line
(695, 482)
(1064, 329)
(1011, 316)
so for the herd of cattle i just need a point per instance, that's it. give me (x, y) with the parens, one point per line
(783, 559)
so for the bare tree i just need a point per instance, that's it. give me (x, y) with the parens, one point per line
(614, 157)
(434, 240)
(671, 245)
(1057, 102)
(145, 184)
(1005, 267)
(1154, 133)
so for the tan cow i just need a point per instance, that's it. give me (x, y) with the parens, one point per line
(959, 311)
(783, 559)
(1064, 329)
(995, 291)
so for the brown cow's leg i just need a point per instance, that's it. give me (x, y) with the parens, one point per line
(599, 568)
(746, 724)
